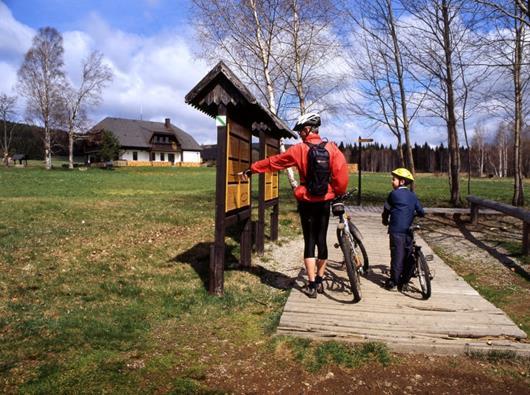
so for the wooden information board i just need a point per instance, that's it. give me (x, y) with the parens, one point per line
(271, 179)
(238, 156)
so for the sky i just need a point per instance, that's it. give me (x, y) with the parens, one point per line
(149, 45)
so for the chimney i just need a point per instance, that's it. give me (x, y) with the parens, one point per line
(167, 123)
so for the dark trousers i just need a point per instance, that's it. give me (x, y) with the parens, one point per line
(314, 217)
(401, 262)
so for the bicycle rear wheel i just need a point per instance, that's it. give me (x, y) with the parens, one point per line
(424, 275)
(364, 254)
(348, 250)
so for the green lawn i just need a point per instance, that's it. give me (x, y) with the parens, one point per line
(102, 278)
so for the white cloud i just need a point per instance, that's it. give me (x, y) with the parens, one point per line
(151, 77)
(151, 74)
(15, 39)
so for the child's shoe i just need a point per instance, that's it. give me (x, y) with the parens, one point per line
(390, 285)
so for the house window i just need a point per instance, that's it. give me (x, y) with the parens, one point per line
(171, 158)
(162, 157)
(153, 156)
(135, 155)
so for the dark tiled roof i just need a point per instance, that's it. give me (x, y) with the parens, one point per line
(135, 133)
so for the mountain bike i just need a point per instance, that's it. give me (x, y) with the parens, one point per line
(421, 268)
(349, 240)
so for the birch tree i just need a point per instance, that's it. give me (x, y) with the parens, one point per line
(94, 77)
(40, 80)
(7, 114)
(310, 54)
(244, 34)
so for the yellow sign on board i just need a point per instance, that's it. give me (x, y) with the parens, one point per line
(238, 155)
(271, 179)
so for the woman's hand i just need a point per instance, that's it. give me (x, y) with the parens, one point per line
(244, 175)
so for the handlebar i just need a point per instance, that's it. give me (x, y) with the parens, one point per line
(414, 228)
(346, 196)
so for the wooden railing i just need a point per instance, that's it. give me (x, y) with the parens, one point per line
(512, 211)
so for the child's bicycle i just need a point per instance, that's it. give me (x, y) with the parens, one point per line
(349, 240)
(421, 268)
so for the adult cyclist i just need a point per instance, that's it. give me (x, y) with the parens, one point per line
(314, 210)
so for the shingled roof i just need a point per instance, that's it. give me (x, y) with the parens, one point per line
(221, 86)
(135, 133)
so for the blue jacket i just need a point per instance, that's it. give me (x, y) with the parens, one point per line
(401, 205)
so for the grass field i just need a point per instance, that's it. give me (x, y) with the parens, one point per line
(102, 279)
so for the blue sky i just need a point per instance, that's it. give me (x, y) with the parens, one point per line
(149, 45)
(144, 17)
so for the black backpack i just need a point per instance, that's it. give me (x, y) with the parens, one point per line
(318, 169)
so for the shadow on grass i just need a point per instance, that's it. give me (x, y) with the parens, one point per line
(198, 257)
(502, 258)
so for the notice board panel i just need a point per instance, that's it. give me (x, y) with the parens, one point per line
(237, 159)
(271, 179)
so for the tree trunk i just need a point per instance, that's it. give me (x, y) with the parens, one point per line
(518, 195)
(454, 154)
(47, 147)
(265, 58)
(71, 149)
(399, 71)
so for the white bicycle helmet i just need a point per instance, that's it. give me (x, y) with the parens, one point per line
(309, 119)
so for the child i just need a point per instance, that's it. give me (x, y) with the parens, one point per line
(401, 206)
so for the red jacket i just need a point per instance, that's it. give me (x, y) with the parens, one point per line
(297, 156)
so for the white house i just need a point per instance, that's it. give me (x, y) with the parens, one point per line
(147, 143)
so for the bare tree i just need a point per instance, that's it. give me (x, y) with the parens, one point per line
(514, 9)
(442, 28)
(244, 33)
(508, 53)
(7, 114)
(478, 146)
(95, 75)
(501, 145)
(384, 76)
(40, 79)
(309, 53)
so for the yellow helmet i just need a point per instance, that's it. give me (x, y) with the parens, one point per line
(401, 172)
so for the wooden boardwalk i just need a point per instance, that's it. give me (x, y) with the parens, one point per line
(456, 319)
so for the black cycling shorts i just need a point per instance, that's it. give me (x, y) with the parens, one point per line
(314, 217)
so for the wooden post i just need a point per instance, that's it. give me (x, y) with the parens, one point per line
(245, 247)
(260, 234)
(526, 238)
(217, 262)
(474, 213)
(274, 220)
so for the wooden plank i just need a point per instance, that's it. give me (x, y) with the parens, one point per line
(454, 313)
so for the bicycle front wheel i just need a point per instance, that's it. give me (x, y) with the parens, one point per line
(348, 249)
(424, 276)
(363, 256)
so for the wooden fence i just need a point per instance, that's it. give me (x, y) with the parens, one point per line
(517, 212)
